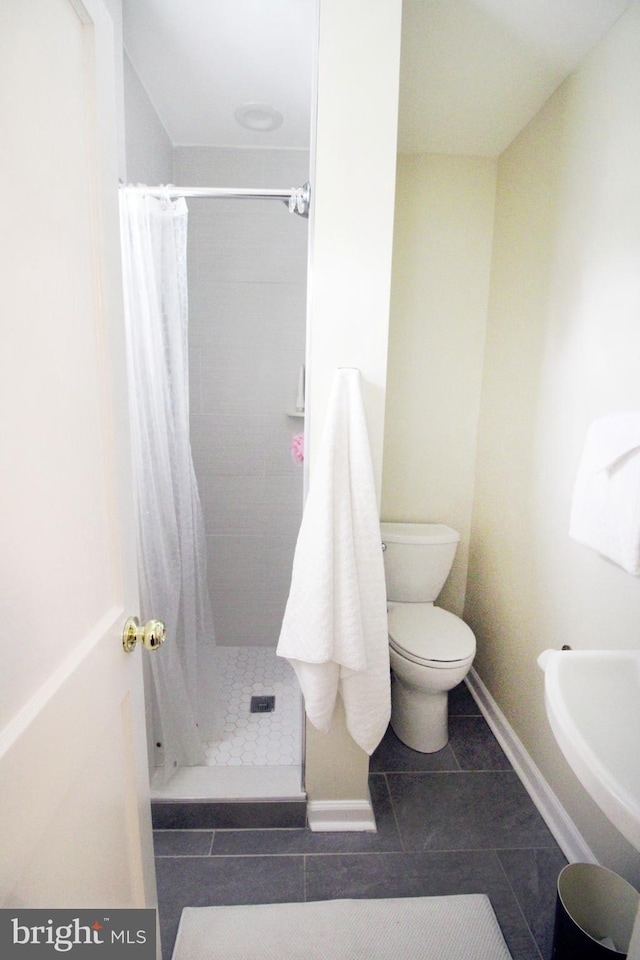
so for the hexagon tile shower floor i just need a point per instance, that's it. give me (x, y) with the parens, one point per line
(262, 737)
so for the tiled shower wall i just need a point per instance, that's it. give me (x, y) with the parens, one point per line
(247, 263)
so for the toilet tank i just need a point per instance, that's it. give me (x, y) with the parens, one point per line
(417, 559)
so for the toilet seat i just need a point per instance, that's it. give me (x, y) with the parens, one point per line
(430, 635)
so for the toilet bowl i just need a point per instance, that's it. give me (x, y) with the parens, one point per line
(430, 649)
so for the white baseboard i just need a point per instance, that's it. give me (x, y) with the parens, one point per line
(340, 815)
(564, 830)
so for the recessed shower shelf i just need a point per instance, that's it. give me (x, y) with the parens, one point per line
(295, 413)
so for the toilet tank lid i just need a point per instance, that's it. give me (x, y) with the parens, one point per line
(418, 533)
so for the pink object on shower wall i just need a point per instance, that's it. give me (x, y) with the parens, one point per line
(297, 447)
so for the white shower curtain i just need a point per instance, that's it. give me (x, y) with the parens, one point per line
(171, 540)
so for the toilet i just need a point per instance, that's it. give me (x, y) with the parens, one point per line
(431, 650)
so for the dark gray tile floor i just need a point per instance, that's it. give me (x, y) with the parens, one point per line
(457, 821)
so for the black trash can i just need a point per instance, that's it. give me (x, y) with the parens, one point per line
(595, 913)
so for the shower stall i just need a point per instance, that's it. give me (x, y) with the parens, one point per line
(247, 264)
(247, 273)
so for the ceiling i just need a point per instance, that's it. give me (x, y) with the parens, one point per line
(473, 72)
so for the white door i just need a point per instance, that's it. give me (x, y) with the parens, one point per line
(74, 801)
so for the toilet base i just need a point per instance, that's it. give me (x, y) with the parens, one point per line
(420, 720)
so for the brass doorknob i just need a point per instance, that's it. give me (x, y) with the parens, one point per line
(151, 634)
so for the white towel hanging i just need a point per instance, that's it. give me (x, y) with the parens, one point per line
(334, 631)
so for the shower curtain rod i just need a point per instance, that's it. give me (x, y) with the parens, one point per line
(298, 199)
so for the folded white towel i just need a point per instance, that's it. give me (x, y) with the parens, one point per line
(605, 512)
(334, 630)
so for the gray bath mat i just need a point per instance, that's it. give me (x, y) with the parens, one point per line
(416, 928)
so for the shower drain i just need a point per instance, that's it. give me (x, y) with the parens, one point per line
(264, 704)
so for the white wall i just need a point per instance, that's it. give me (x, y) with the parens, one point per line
(351, 238)
(352, 212)
(149, 151)
(562, 348)
(441, 260)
